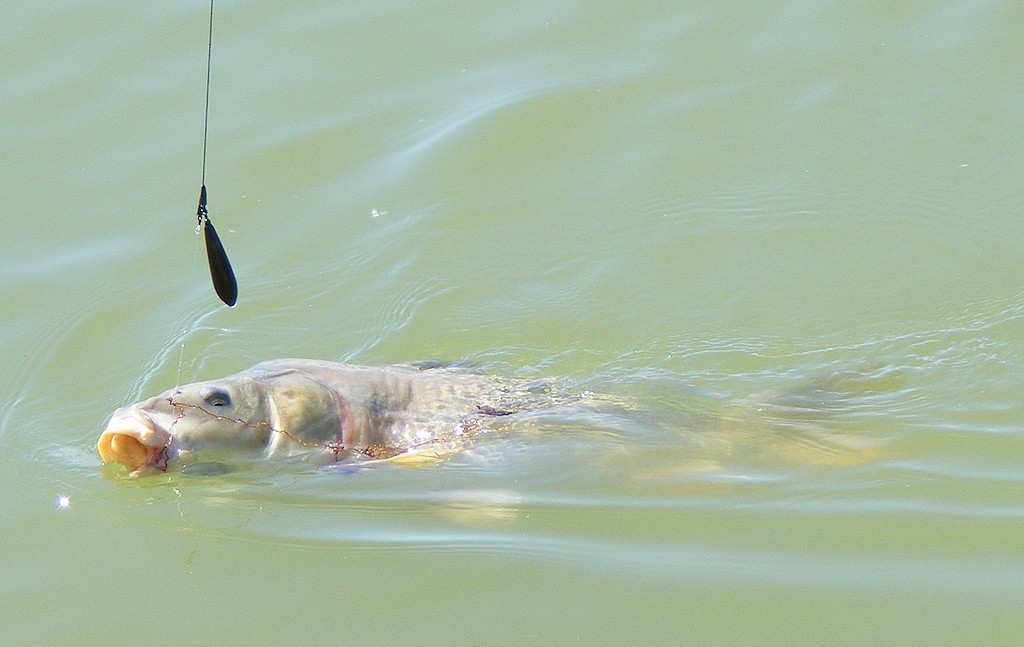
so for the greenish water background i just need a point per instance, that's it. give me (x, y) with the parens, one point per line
(681, 201)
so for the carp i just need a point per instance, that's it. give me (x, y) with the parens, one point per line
(324, 411)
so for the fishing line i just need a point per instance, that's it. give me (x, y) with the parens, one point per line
(206, 112)
(181, 360)
(221, 274)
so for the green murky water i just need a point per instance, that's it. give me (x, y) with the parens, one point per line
(689, 203)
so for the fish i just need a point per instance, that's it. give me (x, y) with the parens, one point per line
(322, 411)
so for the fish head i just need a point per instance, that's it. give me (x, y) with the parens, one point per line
(278, 408)
(227, 415)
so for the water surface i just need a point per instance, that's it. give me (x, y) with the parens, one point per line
(688, 203)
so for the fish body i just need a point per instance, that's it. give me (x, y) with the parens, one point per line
(322, 411)
(290, 407)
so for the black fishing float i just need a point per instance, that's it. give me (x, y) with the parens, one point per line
(220, 267)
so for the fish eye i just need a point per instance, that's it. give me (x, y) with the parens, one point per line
(215, 396)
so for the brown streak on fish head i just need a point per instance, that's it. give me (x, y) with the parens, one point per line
(225, 415)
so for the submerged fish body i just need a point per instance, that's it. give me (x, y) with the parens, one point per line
(321, 412)
(319, 409)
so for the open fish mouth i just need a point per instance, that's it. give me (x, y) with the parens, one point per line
(135, 441)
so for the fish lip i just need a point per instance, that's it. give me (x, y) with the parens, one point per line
(155, 441)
